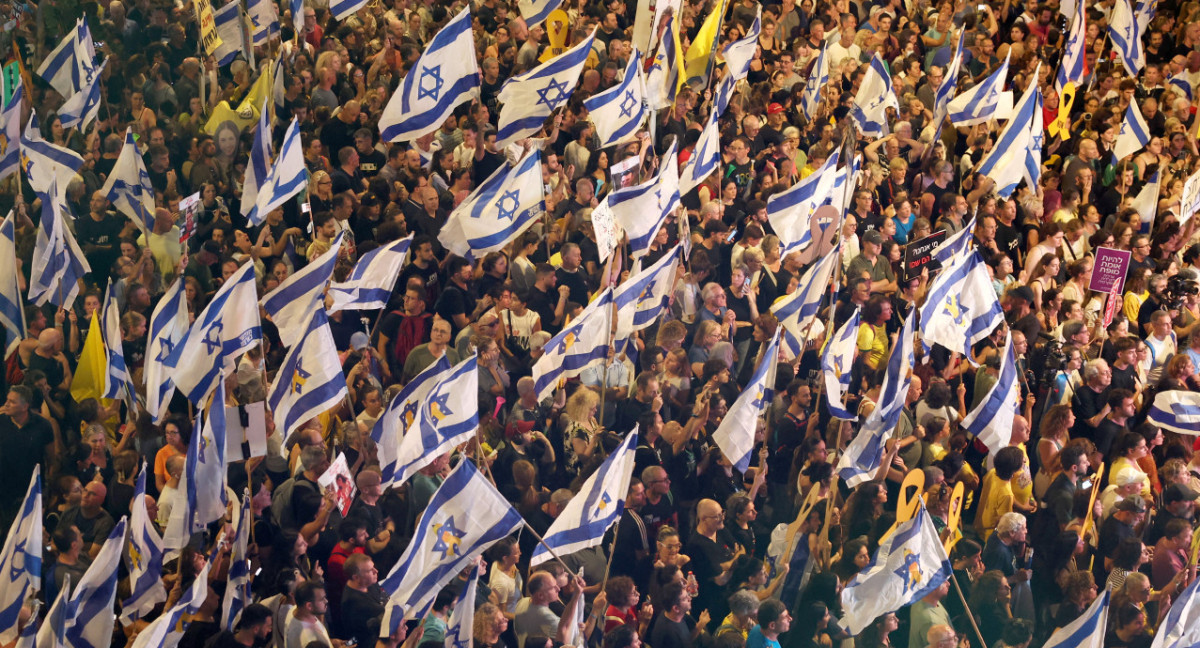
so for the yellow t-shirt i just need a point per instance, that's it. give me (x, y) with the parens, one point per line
(997, 500)
(1022, 482)
(873, 344)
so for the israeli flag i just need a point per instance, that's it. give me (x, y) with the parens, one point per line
(790, 212)
(581, 343)
(957, 312)
(89, 611)
(117, 382)
(986, 100)
(58, 263)
(12, 305)
(264, 20)
(735, 434)
(10, 121)
(287, 177)
(723, 95)
(873, 98)
(129, 188)
(143, 558)
(739, 53)
(71, 66)
(535, 12)
(167, 329)
(992, 420)
(459, 633)
(1134, 133)
(1126, 37)
(443, 77)
(229, 28)
(529, 98)
(499, 209)
(597, 505)
(1178, 81)
(1181, 628)
(46, 164)
(370, 283)
(1073, 67)
(158, 633)
(291, 304)
(228, 327)
(448, 416)
(818, 77)
(618, 112)
(21, 559)
(1017, 153)
(401, 415)
(642, 297)
(1088, 630)
(909, 564)
(237, 586)
(837, 364)
(865, 452)
(663, 78)
(297, 7)
(81, 108)
(1176, 410)
(945, 91)
(204, 476)
(464, 517)
(706, 156)
(642, 209)
(956, 245)
(310, 380)
(797, 312)
(258, 167)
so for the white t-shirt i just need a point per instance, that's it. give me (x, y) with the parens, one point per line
(299, 633)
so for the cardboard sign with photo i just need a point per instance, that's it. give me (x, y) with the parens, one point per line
(338, 479)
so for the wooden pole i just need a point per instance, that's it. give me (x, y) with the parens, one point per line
(970, 614)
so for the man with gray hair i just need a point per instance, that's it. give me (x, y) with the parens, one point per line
(1090, 402)
(1001, 552)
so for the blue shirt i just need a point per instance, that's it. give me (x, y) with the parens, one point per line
(756, 639)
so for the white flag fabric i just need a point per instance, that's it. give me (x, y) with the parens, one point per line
(663, 77)
(596, 507)
(874, 97)
(460, 628)
(909, 564)
(53, 631)
(955, 245)
(117, 382)
(1181, 628)
(706, 156)
(291, 304)
(58, 263)
(944, 93)
(535, 12)
(46, 164)
(957, 313)
(12, 304)
(1021, 141)
(445, 76)
(1073, 67)
(499, 209)
(642, 209)
(230, 29)
(143, 558)
(641, 298)
(204, 476)
(167, 329)
(70, 66)
(80, 110)
(158, 633)
(1146, 202)
(797, 312)
(237, 586)
(618, 112)
(129, 188)
(264, 20)
(1088, 630)
(400, 416)
(1176, 410)
(89, 616)
(310, 381)
(21, 558)
(818, 77)
(288, 176)
(992, 420)
(370, 283)
(1134, 133)
(739, 53)
(582, 342)
(258, 166)
(790, 211)
(735, 434)
(985, 100)
(464, 517)
(227, 328)
(529, 98)
(448, 416)
(837, 364)
(1126, 37)
(10, 121)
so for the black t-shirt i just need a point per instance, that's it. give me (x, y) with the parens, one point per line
(1008, 241)
(630, 410)
(1087, 403)
(454, 301)
(543, 304)
(707, 556)
(577, 282)
(672, 634)
(428, 275)
(485, 167)
(370, 164)
(22, 448)
(106, 234)
(1124, 378)
(361, 614)
(741, 174)
(740, 306)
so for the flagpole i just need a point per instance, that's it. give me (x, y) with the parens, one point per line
(612, 552)
(970, 614)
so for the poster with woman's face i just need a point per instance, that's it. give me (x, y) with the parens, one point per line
(337, 478)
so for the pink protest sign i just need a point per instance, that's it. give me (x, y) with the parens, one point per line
(1109, 271)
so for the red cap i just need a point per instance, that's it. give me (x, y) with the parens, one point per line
(774, 109)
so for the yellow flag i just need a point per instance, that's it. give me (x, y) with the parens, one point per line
(247, 111)
(698, 61)
(93, 365)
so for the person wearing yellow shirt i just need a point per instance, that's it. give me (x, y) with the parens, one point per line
(873, 342)
(998, 495)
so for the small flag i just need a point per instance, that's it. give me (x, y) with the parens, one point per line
(1134, 133)
(582, 342)
(503, 206)
(129, 188)
(874, 97)
(370, 283)
(1126, 37)
(168, 328)
(291, 304)
(984, 101)
(529, 98)
(12, 304)
(735, 434)
(992, 420)
(837, 364)
(401, 415)
(310, 381)
(1176, 410)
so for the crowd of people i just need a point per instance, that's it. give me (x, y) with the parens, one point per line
(704, 554)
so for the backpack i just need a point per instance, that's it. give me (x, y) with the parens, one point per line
(281, 502)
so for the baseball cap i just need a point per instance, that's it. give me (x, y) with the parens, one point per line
(873, 237)
(1022, 292)
(774, 109)
(1127, 476)
(1132, 504)
(1179, 493)
(359, 341)
(519, 426)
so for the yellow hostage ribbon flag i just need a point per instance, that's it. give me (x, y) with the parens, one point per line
(701, 52)
(92, 370)
(247, 111)
(1061, 126)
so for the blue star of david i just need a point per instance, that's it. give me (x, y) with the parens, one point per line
(955, 310)
(438, 407)
(648, 293)
(300, 378)
(508, 204)
(628, 103)
(212, 341)
(559, 90)
(447, 538)
(165, 351)
(432, 89)
(1037, 140)
(910, 571)
(409, 413)
(18, 564)
(460, 642)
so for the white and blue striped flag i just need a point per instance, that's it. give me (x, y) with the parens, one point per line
(58, 263)
(723, 94)
(143, 558)
(10, 121)
(790, 211)
(663, 78)
(1134, 133)
(991, 421)
(230, 27)
(1176, 410)
(264, 20)
(297, 9)
(53, 631)
(618, 112)
(706, 156)
(735, 434)
(1087, 631)
(874, 97)
(581, 343)
(445, 76)
(945, 91)
(818, 77)
(529, 98)
(641, 298)
(129, 188)
(45, 163)
(460, 628)
(89, 611)
(167, 329)
(1126, 37)
(499, 209)
(12, 304)
(81, 108)
(1181, 627)
(448, 416)
(117, 382)
(310, 381)
(865, 452)
(797, 312)
(166, 630)
(985, 100)
(204, 475)
(228, 327)
(642, 209)
(70, 66)
(464, 517)
(237, 586)
(837, 364)
(957, 313)
(598, 504)
(258, 166)
(1072, 68)
(1181, 82)
(288, 176)
(370, 283)
(291, 304)
(401, 415)
(1016, 155)
(739, 53)
(535, 12)
(957, 244)
(909, 564)
(21, 559)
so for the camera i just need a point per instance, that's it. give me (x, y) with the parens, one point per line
(1178, 287)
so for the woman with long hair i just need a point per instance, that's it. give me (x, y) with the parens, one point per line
(580, 430)
(750, 574)
(1052, 438)
(991, 601)
(1044, 277)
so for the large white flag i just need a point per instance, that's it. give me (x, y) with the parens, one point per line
(499, 209)
(21, 559)
(529, 98)
(129, 188)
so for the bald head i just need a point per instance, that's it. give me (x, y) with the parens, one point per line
(50, 341)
